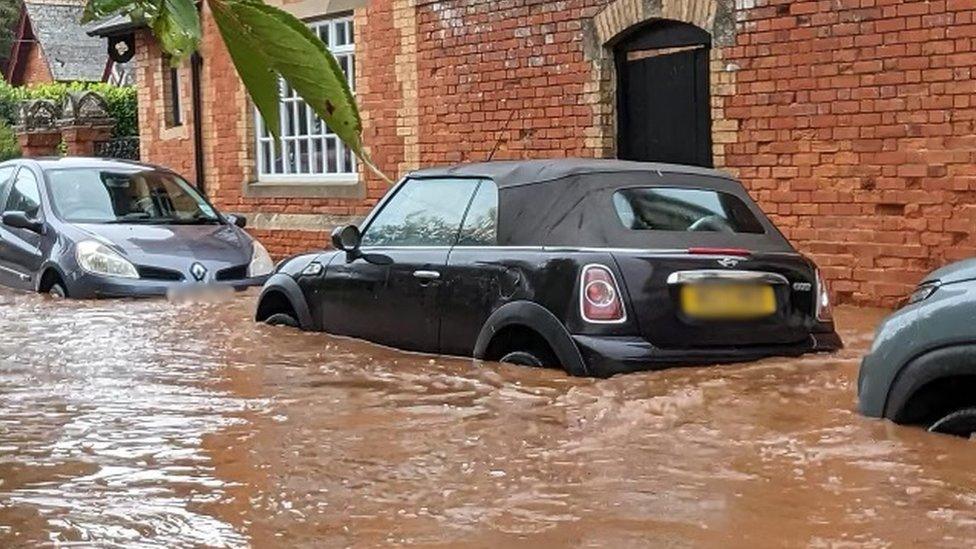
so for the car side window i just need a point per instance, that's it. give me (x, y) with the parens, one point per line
(423, 212)
(6, 172)
(24, 196)
(480, 227)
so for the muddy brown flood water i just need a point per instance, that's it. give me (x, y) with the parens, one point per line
(150, 424)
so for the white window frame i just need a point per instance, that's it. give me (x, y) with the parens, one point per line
(302, 140)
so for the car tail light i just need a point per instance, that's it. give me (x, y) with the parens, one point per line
(600, 299)
(824, 311)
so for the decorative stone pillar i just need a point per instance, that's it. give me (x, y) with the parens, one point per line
(36, 130)
(84, 123)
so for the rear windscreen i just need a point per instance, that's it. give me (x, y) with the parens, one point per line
(684, 209)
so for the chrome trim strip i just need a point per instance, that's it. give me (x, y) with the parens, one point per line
(711, 275)
(16, 273)
(593, 249)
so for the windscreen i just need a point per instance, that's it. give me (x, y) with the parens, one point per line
(92, 195)
(683, 209)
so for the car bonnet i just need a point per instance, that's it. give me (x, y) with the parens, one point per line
(174, 246)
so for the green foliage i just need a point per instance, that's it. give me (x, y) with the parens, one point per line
(265, 43)
(9, 17)
(9, 147)
(121, 101)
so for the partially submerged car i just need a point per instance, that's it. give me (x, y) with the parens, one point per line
(921, 369)
(85, 228)
(597, 266)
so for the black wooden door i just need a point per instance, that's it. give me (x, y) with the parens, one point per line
(664, 107)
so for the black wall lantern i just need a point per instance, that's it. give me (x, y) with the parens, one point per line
(121, 48)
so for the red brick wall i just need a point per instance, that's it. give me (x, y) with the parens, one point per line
(36, 70)
(481, 65)
(851, 121)
(857, 134)
(281, 243)
(168, 146)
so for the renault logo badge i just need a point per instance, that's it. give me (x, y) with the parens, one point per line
(728, 262)
(198, 271)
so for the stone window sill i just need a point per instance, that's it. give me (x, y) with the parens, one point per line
(311, 187)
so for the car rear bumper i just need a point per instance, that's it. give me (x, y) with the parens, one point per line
(95, 287)
(606, 356)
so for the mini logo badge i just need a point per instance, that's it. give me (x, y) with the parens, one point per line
(198, 271)
(802, 286)
(728, 262)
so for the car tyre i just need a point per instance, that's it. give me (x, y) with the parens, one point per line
(282, 319)
(57, 291)
(961, 423)
(523, 358)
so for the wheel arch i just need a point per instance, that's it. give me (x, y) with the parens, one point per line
(279, 290)
(44, 281)
(538, 319)
(932, 383)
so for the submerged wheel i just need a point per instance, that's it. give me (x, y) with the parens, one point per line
(282, 319)
(961, 423)
(57, 290)
(523, 358)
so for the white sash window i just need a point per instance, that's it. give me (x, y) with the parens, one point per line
(309, 151)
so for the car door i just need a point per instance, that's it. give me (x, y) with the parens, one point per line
(395, 301)
(477, 276)
(20, 249)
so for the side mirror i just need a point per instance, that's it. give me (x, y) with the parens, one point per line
(346, 238)
(21, 221)
(237, 219)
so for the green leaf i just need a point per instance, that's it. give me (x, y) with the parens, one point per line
(294, 52)
(264, 42)
(300, 27)
(97, 9)
(177, 27)
(252, 66)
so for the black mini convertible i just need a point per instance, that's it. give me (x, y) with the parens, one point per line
(598, 266)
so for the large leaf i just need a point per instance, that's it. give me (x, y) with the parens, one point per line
(295, 53)
(252, 66)
(342, 82)
(177, 27)
(97, 9)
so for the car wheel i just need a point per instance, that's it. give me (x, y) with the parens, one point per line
(961, 423)
(522, 358)
(57, 290)
(281, 319)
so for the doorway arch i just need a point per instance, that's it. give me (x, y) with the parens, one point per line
(663, 93)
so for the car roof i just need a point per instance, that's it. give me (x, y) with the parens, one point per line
(59, 162)
(525, 172)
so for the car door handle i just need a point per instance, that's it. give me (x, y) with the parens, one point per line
(426, 275)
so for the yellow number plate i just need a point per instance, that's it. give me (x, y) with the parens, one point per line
(715, 301)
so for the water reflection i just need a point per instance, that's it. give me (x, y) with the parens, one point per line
(157, 424)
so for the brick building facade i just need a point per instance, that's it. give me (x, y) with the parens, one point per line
(851, 121)
(51, 45)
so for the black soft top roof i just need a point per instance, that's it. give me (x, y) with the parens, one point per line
(569, 202)
(526, 172)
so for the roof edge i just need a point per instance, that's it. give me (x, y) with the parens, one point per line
(115, 25)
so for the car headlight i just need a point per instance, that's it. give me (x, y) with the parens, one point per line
(97, 258)
(261, 263)
(923, 292)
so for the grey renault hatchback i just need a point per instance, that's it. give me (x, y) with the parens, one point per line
(921, 369)
(87, 228)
